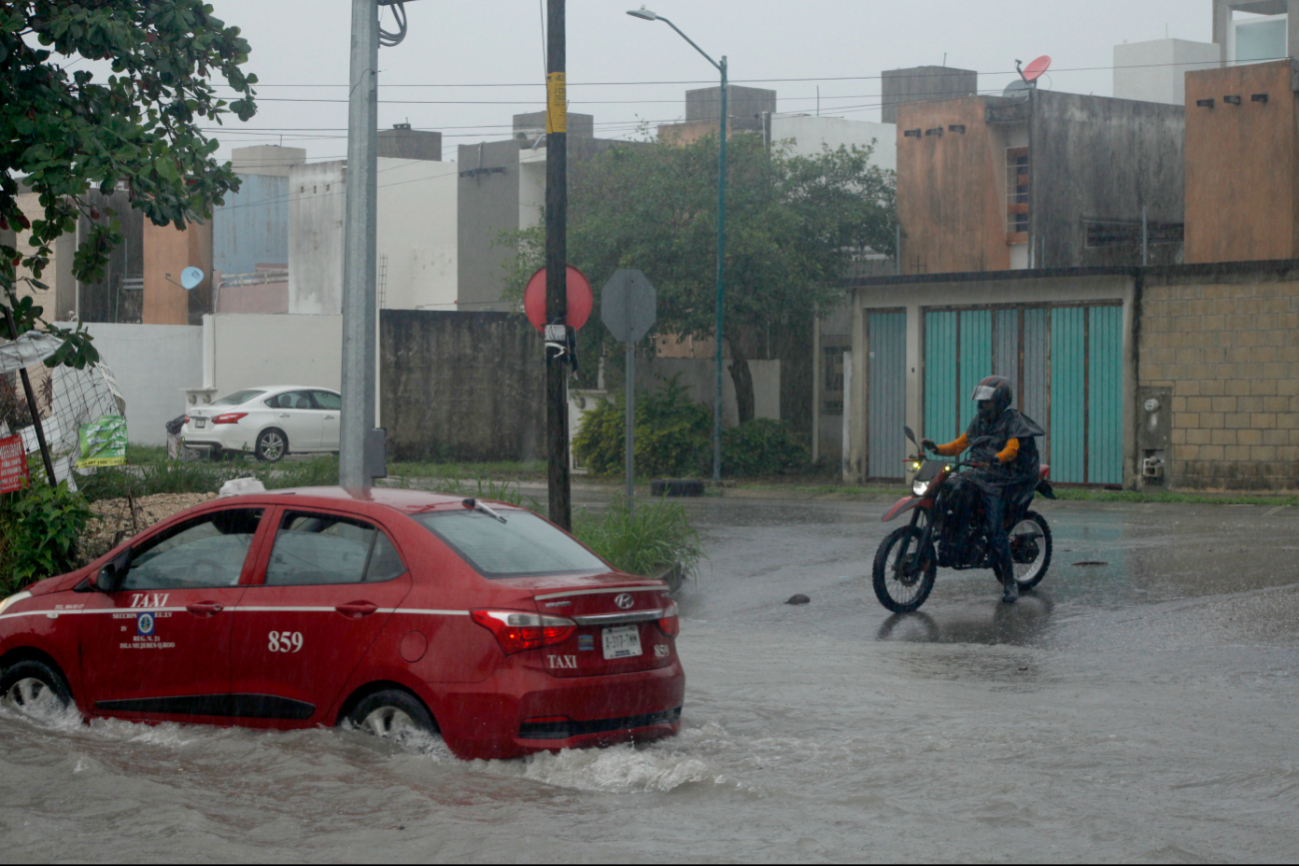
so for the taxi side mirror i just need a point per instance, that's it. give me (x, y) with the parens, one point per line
(110, 577)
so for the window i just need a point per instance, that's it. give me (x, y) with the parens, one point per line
(327, 400)
(1256, 39)
(314, 549)
(1017, 195)
(290, 400)
(208, 551)
(523, 545)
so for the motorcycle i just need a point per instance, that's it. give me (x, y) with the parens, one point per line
(948, 529)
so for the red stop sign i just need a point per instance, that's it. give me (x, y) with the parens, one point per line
(580, 299)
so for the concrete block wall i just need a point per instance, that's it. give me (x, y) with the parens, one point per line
(1229, 349)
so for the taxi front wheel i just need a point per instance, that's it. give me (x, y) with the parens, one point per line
(33, 687)
(391, 713)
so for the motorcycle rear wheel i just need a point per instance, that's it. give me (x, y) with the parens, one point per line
(1031, 535)
(902, 578)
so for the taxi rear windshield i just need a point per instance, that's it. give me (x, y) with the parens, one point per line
(521, 546)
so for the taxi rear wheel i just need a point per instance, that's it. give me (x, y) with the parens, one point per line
(33, 687)
(391, 713)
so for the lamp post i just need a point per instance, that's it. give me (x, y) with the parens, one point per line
(646, 15)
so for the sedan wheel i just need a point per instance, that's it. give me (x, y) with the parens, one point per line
(272, 445)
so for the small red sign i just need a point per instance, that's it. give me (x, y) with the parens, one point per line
(13, 465)
(580, 299)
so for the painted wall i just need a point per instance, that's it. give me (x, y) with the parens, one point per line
(252, 227)
(152, 364)
(488, 204)
(924, 84)
(317, 195)
(810, 133)
(417, 209)
(1156, 71)
(951, 187)
(1242, 164)
(245, 350)
(167, 252)
(1093, 158)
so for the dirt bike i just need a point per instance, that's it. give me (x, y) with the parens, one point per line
(948, 529)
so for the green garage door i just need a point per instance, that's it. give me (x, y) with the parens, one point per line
(1066, 364)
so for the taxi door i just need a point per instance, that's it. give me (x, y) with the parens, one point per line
(327, 589)
(160, 644)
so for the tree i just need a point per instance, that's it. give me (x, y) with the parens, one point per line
(68, 132)
(794, 225)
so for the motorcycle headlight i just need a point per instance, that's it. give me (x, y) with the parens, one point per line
(920, 488)
(12, 600)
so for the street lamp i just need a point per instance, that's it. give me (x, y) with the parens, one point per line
(646, 15)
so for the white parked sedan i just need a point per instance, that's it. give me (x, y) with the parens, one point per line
(268, 422)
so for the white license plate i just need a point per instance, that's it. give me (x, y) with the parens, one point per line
(200, 423)
(622, 642)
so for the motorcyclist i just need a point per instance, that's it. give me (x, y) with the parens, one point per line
(1003, 446)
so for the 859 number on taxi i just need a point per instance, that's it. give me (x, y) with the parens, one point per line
(284, 641)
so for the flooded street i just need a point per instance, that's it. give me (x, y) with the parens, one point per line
(1138, 708)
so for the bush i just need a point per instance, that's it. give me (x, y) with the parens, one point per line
(672, 434)
(660, 535)
(39, 531)
(762, 446)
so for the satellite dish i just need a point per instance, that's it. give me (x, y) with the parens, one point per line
(1017, 89)
(1036, 69)
(190, 278)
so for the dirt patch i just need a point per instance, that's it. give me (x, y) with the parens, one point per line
(119, 519)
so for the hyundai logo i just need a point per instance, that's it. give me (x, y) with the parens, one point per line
(624, 601)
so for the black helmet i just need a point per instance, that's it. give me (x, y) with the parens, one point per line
(996, 391)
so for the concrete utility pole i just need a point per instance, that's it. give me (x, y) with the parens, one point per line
(561, 505)
(359, 314)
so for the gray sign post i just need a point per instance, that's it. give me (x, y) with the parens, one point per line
(628, 308)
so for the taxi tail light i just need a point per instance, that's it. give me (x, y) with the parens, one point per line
(186, 421)
(517, 632)
(229, 418)
(669, 623)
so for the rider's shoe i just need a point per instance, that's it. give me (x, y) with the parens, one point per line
(1011, 595)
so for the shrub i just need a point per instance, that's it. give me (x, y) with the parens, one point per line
(762, 446)
(39, 531)
(660, 535)
(672, 434)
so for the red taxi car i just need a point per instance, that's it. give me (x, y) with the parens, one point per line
(388, 609)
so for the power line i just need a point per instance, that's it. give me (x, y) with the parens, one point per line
(950, 70)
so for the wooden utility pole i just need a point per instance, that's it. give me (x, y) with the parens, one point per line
(557, 332)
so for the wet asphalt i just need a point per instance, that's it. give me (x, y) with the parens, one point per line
(1140, 705)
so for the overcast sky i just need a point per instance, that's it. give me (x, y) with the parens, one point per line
(839, 46)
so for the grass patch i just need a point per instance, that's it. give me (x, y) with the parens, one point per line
(149, 478)
(660, 535)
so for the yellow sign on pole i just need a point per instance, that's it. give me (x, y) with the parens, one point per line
(556, 103)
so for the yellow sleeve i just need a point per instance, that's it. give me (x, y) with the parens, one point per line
(951, 449)
(1010, 452)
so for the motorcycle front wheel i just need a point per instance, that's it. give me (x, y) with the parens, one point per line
(903, 574)
(1030, 550)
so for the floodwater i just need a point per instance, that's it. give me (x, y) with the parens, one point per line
(1143, 709)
